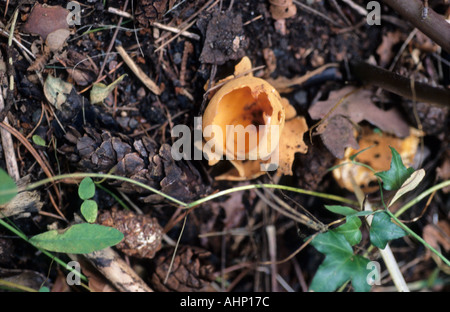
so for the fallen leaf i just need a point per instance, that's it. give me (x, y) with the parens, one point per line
(100, 91)
(357, 106)
(385, 50)
(339, 137)
(56, 39)
(438, 234)
(55, 90)
(291, 142)
(45, 19)
(410, 184)
(80, 67)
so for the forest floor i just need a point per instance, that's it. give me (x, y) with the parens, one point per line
(247, 240)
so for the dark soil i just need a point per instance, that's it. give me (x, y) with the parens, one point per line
(224, 240)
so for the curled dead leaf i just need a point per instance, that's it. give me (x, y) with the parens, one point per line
(355, 105)
(56, 90)
(45, 19)
(56, 39)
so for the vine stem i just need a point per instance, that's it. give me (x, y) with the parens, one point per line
(197, 202)
(420, 239)
(48, 254)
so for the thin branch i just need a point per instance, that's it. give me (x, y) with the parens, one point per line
(434, 25)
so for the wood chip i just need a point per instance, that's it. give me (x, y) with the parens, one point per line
(150, 84)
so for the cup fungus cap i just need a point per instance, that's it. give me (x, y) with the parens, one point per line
(246, 120)
(377, 155)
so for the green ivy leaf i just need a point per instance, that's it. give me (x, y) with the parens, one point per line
(342, 210)
(86, 190)
(346, 211)
(350, 230)
(397, 174)
(340, 264)
(89, 210)
(78, 239)
(383, 230)
(8, 189)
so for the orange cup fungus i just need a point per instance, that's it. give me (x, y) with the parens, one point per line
(377, 155)
(249, 122)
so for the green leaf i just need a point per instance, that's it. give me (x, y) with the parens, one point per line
(350, 230)
(89, 210)
(86, 190)
(346, 211)
(38, 140)
(410, 184)
(397, 174)
(78, 239)
(100, 91)
(8, 189)
(383, 230)
(340, 264)
(332, 243)
(342, 210)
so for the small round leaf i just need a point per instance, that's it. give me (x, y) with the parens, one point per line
(86, 190)
(89, 210)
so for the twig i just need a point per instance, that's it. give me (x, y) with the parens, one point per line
(45, 167)
(402, 48)
(19, 44)
(117, 271)
(338, 9)
(111, 44)
(398, 84)
(386, 253)
(150, 84)
(434, 25)
(8, 146)
(176, 36)
(313, 11)
(272, 241)
(119, 12)
(389, 258)
(177, 31)
(10, 69)
(361, 10)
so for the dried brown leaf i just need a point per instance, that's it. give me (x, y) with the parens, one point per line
(356, 106)
(337, 135)
(385, 49)
(45, 19)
